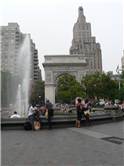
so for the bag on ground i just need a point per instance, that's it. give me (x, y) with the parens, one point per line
(37, 125)
(27, 125)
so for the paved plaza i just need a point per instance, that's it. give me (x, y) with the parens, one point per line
(97, 145)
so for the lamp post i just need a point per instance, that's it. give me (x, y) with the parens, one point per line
(39, 100)
(118, 70)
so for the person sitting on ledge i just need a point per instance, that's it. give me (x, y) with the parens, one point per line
(15, 115)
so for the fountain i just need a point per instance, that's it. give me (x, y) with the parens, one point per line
(18, 100)
(24, 72)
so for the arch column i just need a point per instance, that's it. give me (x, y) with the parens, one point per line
(50, 92)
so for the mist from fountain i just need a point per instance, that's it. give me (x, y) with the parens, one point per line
(24, 73)
(19, 100)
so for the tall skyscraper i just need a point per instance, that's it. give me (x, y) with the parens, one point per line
(11, 39)
(84, 43)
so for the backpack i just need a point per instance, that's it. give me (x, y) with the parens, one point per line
(27, 125)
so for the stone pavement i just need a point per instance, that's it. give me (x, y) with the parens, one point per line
(98, 145)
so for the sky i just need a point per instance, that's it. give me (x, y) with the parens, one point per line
(50, 23)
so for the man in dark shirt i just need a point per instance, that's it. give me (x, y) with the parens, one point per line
(49, 108)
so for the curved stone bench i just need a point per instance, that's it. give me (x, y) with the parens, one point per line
(60, 120)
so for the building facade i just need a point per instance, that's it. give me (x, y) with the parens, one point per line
(11, 39)
(35, 70)
(84, 44)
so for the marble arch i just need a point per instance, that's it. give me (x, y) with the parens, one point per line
(56, 65)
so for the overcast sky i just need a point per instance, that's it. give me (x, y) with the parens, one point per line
(50, 23)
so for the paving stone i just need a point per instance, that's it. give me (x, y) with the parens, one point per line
(63, 147)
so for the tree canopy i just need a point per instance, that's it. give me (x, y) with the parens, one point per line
(37, 92)
(68, 88)
(9, 84)
(100, 86)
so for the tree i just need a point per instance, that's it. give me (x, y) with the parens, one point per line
(9, 84)
(68, 88)
(99, 85)
(37, 92)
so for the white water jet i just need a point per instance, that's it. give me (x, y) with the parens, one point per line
(24, 73)
(19, 101)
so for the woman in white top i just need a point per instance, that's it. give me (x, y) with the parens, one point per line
(15, 115)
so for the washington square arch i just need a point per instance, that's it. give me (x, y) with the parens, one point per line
(84, 58)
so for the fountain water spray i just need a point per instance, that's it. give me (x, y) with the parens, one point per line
(19, 100)
(24, 73)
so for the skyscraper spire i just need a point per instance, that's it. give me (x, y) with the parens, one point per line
(80, 11)
(84, 44)
(81, 17)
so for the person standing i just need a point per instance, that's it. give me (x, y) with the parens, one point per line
(79, 112)
(49, 108)
(37, 121)
(86, 111)
(31, 113)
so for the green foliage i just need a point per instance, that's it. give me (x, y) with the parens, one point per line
(120, 94)
(37, 92)
(122, 75)
(100, 86)
(9, 84)
(68, 88)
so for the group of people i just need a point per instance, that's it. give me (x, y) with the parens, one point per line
(83, 108)
(118, 105)
(36, 111)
